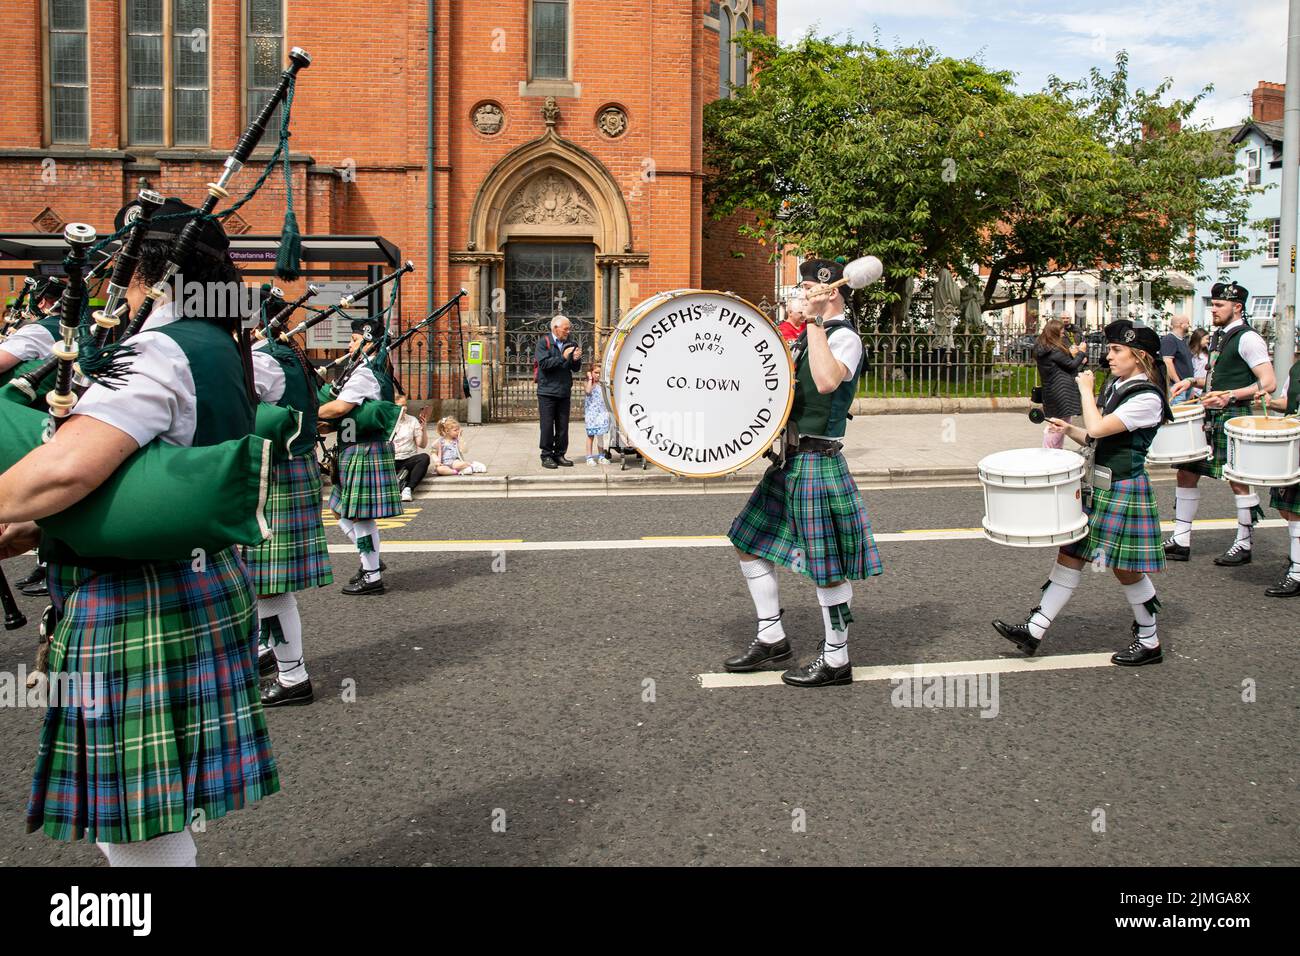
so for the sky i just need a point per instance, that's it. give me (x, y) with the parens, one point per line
(1229, 44)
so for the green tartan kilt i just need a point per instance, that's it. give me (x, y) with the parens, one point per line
(1123, 528)
(296, 556)
(1286, 499)
(368, 486)
(170, 724)
(809, 517)
(1216, 419)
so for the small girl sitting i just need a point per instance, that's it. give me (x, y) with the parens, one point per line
(449, 450)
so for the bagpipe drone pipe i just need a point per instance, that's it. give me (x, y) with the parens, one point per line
(165, 501)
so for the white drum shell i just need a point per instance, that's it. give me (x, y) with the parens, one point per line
(1033, 497)
(1268, 456)
(1182, 440)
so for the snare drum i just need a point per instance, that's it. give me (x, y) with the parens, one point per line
(1033, 497)
(1182, 440)
(701, 383)
(1263, 451)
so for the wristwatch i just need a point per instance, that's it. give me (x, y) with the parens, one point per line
(818, 321)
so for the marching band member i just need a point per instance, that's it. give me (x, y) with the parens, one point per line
(368, 488)
(296, 556)
(35, 340)
(807, 514)
(1287, 500)
(177, 727)
(1123, 522)
(1239, 371)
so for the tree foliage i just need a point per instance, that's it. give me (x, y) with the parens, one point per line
(847, 149)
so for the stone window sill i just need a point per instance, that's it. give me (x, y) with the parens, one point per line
(550, 88)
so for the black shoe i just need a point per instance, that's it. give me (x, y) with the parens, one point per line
(266, 665)
(37, 575)
(1135, 655)
(757, 654)
(563, 462)
(1019, 635)
(549, 462)
(361, 573)
(817, 673)
(40, 589)
(1233, 557)
(365, 587)
(277, 695)
(1287, 587)
(1177, 552)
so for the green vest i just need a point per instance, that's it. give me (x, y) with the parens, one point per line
(299, 395)
(814, 413)
(1125, 454)
(1228, 370)
(223, 410)
(1293, 390)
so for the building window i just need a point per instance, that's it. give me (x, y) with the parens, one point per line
(265, 56)
(167, 72)
(1252, 166)
(69, 72)
(1233, 252)
(1261, 307)
(547, 278)
(1274, 239)
(550, 40)
(733, 61)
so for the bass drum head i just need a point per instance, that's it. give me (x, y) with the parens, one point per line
(701, 383)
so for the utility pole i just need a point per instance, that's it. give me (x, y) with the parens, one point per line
(1286, 284)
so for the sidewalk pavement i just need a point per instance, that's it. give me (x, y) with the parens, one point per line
(881, 450)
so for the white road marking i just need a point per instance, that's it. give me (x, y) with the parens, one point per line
(997, 665)
(400, 546)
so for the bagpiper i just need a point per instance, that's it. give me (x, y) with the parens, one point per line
(807, 513)
(1239, 372)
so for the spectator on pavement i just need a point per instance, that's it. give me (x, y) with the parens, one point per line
(1057, 368)
(409, 437)
(557, 359)
(1175, 352)
(450, 448)
(596, 414)
(795, 316)
(1199, 346)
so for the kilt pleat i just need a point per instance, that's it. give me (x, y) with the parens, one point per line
(175, 726)
(296, 556)
(810, 517)
(368, 486)
(1123, 528)
(1285, 499)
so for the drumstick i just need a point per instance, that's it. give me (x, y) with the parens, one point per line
(858, 274)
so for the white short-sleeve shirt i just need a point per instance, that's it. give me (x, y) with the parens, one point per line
(1253, 348)
(846, 345)
(30, 342)
(1140, 411)
(361, 385)
(268, 375)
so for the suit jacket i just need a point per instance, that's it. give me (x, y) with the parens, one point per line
(554, 372)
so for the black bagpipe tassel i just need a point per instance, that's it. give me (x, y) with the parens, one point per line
(289, 261)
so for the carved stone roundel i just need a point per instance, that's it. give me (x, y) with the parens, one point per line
(612, 121)
(488, 118)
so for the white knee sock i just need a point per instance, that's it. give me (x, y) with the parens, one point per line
(349, 528)
(1294, 528)
(1056, 594)
(1245, 517)
(170, 849)
(367, 538)
(835, 618)
(760, 576)
(1186, 502)
(282, 630)
(1142, 597)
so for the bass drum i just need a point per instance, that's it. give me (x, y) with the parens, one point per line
(700, 383)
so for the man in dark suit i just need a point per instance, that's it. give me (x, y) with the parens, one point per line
(557, 359)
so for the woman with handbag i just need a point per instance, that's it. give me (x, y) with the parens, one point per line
(1058, 364)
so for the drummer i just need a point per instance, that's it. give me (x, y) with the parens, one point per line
(1287, 500)
(1240, 370)
(807, 513)
(1123, 522)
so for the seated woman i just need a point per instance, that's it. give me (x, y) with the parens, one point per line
(1123, 524)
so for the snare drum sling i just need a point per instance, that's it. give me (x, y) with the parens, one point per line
(1123, 522)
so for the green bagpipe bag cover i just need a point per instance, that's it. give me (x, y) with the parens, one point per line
(280, 426)
(164, 501)
(374, 420)
(21, 369)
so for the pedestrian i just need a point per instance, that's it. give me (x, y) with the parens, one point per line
(1199, 346)
(807, 513)
(450, 447)
(1239, 371)
(557, 359)
(796, 315)
(596, 415)
(1175, 351)
(409, 437)
(1123, 522)
(1058, 364)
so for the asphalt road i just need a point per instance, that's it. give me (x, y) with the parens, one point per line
(514, 688)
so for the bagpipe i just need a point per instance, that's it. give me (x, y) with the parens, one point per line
(17, 313)
(137, 514)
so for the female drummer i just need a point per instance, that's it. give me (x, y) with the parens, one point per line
(1123, 524)
(175, 731)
